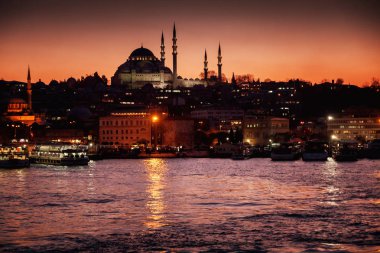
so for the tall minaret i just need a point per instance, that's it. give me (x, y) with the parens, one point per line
(219, 64)
(174, 55)
(162, 49)
(233, 80)
(205, 66)
(29, 90)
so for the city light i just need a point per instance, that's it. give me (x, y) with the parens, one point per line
(330, 117)
(334, 137)
(155, 118)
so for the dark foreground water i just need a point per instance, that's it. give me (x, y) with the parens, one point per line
(192, 205)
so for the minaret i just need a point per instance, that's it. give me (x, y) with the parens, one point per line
(29, 90)
(162, 50)
(205, 66)
(233, 80)
(219, 64)
(174, 55)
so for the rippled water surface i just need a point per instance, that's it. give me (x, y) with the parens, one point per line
(192, 205)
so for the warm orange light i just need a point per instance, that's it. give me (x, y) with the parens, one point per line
(154, 118)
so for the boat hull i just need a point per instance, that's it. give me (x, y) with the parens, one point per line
(284, 157)
(14, 164)
(60, 162)
(345, 158)
(315, 156)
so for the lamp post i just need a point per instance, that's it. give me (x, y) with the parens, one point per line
(155, 120)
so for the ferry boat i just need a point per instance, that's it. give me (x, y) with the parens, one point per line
(315, 151)
(14, 157)
(60, 154)
(345, 150)
(285, 152)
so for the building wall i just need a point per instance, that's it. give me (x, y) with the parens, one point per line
(258, 130)
(220, 119)
(138, 80)
(349, 128)
(26, 119)
(178, 133)
(125, 129)
(190, 82)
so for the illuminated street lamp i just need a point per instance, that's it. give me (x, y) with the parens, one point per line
(155, 120)
(330, 117)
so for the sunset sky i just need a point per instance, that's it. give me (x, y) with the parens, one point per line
(312, 40)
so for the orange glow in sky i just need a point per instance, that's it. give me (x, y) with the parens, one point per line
(312, 40)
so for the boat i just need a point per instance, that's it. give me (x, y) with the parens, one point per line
(345, 150)
(225, 150)
(315, 151)
(260, 151)
(242, 154)
(373, 149)
(59, 154)
(14, 157)
(285, 152)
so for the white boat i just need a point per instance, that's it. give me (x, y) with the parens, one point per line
(14, 157)
(60, 154)
(315, 151)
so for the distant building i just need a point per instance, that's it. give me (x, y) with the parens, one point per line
(43, 134)
(352, 128)
(125, 128)
(20, 110)
(259, 130)
(219, 119)
(178, 132)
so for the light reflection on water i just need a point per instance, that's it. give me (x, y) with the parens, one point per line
(192, 204)
(330, 172)
(156, 169)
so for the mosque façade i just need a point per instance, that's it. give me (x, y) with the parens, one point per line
(143, 67)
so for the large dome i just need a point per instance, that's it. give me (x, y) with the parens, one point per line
(142, 66)
(142, 52)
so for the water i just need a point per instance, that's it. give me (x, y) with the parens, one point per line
(192, 205)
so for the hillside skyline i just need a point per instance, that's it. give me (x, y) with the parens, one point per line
(313, 41)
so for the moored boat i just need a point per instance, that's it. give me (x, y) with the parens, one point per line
(225, 150)
(315, 151)
(285, 152)
(373, 149)
(59, 154)
(345, 150)
(14, 157)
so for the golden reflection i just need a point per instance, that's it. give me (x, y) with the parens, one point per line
(90, 183)
(156, 171)
(330, 173)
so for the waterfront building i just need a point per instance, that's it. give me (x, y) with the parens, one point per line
(261, 130)
(178, 132)
(125, 128)
(218, 119)
(353, 128)
(65, 134)
(143, 67)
